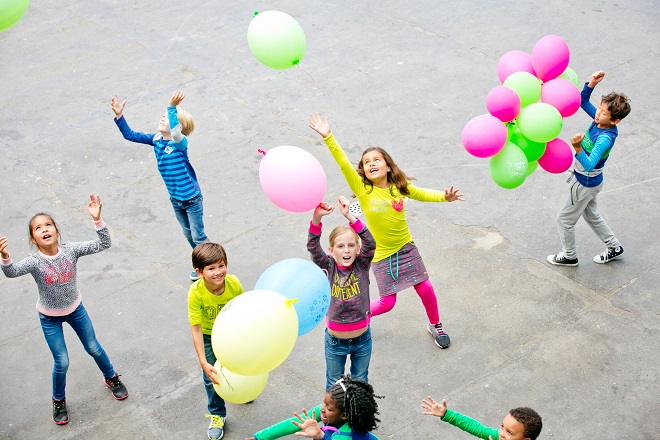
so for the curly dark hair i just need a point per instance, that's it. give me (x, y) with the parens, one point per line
(395, 176)
(530, 419)
(358, 403)
(618, 104)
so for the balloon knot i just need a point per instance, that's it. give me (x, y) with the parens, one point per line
(255, 13)
(291, 301)
(261, 151)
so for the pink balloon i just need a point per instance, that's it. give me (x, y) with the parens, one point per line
(484, 136)
(512, 62)
(292, 178)
(550, 57)
(503, 103)
(562, 95)
(558, 156)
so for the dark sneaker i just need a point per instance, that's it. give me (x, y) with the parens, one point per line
(441, 338)
(60, 414)
(194, 276)
(609, 255)
(118, 389)
(561, 260)
(217, 427)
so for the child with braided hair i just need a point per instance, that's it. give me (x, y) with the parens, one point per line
(348, 411)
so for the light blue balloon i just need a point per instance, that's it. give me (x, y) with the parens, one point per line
(303, 280)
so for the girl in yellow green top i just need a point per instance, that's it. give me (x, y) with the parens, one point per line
(382, 188)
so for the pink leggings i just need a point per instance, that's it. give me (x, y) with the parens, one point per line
(425, 292)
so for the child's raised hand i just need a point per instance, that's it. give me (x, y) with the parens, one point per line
(576, 140)
(434, 408)
(596, 77)
(344, 203)
(94, 207)
(3, 247)
(452, 194)
(309, 427)
(176, 98)
(319, 125)
(117, 107)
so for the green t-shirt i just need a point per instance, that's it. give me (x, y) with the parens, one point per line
(203, 306)
(470, 425)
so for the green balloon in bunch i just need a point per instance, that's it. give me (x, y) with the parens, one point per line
(540, 122)
(570, 75)
(11, 11)
(533, 150)
(531, 167)
(509, 167)
(276, 39)
(526, 85)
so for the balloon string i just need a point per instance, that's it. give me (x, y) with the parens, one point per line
(231, 388)
(261, 151)
(311, 78)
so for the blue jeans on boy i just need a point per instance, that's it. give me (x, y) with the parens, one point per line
(190, 214)
(336, 351)
(54, 333)
(216, 404)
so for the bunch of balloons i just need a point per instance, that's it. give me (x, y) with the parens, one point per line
(276, 39)
(292, 178)
(256, 331)
(11, 11)
(525, 114)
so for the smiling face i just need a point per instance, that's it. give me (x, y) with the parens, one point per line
(345, 248)
(511, 429)
(330, 413)
(375, 167)
(214, 276)
(603, 117)
(164, 126)
(43, 232)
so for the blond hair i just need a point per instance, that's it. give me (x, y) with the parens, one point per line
(339, 230)
(186, 121)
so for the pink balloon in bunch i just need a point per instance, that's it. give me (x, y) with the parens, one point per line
(503, 103)
(512, 62)
(550, 57)
(562, 95)
(558, 156)
(484, 136)
(292, 178)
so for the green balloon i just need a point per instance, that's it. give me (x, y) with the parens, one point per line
(531, 167)
(526, 85)
(11, 11)
(509, 167)
(540, 122)
(570, 75)
(533, 150)
(276, 39)
(510, 128)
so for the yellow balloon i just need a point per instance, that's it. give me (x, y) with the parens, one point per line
(235, 388)
(255, 332)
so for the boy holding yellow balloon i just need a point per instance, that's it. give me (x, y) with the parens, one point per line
(206, 298)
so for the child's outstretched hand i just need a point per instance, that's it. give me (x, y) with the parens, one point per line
(596, 78)
(3, 248)
(117, 107)
(318, 124)
(94, 207)
(434, 408)
(309, 427)
(452, 194)
(176, 98)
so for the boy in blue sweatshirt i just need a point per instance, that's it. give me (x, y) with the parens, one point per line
(171, 149)
(592, 150)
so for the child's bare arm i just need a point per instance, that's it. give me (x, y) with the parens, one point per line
(117, 106)
(596, 78)
(434, 408)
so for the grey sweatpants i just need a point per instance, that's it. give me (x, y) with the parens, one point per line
(582, 202)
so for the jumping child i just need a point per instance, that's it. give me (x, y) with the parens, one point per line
(347, 330)
(171, 149)
(53, 267)
(381, 188)
(348, 412)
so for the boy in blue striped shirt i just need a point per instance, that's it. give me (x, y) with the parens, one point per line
(592, 150)
(171, 149)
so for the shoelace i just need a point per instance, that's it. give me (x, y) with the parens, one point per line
(216, 421)
(58, 405)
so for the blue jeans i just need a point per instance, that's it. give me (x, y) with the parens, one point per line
(54, 333)
(190, 215)
(216, 404)
(336, 351)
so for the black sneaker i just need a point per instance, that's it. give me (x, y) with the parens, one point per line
(115, 385)
(561, 260)
(441, 338)
(60, 414)
(609, 255)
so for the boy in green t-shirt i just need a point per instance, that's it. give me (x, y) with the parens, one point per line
(206, 298)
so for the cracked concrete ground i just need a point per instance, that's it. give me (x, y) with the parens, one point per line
(580, 345)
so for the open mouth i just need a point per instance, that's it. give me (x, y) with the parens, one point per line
(47, 236)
